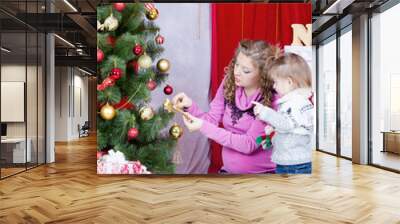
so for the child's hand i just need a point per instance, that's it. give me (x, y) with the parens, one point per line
(268, 129)
(257, 108)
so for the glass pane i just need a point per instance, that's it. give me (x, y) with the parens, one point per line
(41, 99)
(327, 97)
(314, 88)
(13, 80)
(31, 85)
(385, 86)
(22, 80)
(346, 94)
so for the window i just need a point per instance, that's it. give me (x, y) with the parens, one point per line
(385, 89)
(327, 97)
(22, 74)
(346, 75)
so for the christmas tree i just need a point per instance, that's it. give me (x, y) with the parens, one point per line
(128, 43)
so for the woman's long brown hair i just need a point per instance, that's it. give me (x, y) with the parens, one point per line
(261, 54)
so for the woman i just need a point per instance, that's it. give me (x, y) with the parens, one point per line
(245, 81)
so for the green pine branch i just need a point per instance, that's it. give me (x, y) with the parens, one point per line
(151, 148)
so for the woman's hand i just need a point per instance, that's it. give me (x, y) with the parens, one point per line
(181, 101)
(194, 123)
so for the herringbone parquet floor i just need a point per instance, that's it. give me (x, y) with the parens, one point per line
(69, 191)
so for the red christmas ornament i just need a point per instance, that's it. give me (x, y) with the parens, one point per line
(119, 6)
(107, 82)
(132, 133)
(101, 87)
(111, 41)
(151, 85)
(124, 104)
(168, 90)
(135, 66)
(138, 49)
(100, 55)
(159, 39)
(116, 73)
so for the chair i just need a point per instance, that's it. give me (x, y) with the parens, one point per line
(84, 130)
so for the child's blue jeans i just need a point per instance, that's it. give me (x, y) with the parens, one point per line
(304, 168)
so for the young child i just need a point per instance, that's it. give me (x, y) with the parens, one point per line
(293, 120)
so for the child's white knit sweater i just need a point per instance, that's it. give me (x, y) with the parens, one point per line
(293, 123)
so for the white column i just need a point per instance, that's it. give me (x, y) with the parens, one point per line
(50, 109)
(50, 94)
(360, 90)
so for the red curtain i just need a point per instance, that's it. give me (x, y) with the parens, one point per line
(236, 21)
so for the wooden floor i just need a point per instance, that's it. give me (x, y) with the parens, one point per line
(69, 191)
(5, 172)
(10, 171)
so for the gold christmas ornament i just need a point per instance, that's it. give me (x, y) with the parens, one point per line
(107, 112)
(152, 14)
(163, 65)
(176, 131)
(111, 23)
(146, 113)
(168, 106)
(145, 61)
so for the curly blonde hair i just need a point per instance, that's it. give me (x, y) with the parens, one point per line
(261, 54)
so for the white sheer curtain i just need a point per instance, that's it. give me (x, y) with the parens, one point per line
(187, 32)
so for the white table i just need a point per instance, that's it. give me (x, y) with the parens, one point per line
(19, 149)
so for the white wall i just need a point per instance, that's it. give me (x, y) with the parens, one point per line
(61, 105)
(67, 115)
(13, 72)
